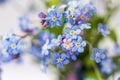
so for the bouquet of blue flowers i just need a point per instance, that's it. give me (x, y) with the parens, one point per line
(68, 39)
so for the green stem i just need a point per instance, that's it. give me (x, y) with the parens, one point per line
(94, 64)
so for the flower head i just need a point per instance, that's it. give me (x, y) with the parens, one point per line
(72, 32)
(71, 54)
(98, 55)
(57, 42)
(67, 43)
(54, 18)
(24, 23)
(107, 66)
(78, 44)
(68, 18)
(102, 29)
(60, 60)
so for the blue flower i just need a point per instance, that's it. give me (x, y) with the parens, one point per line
(24, 22)
(82, 18)
(71, 54)
(43, 36)
(73, 10)
(98, 55)
(107, 66)
(54, 18)
(11, 45)
(78, 44)
(89, 9)
(68, 18)
(60, 60)
(74, 3)
(72, 32)
(57, 42)
(102, 29)
(45, 48)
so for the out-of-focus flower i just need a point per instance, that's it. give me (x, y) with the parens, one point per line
(42, 15)
(45, 48)
(54, 18)
(107, 66)
(89, 9)
(10, 48)
(71, 76)
(60, 60)
(78, 44)
(24, 22)
(72, 32)
(57, 42)
(98, 55)
(43, 36)
(102, 29)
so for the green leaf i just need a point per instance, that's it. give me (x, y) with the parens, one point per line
(52, 2)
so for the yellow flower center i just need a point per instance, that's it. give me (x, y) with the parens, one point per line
(82, 17)
(77, 44)
(72, 32)
(45, 37)
(56, 40)
(13, 46)
(71, 52)
(4, 51)
(44, 47)
(71, 9)
(97, 54)
(59, 60)
(68, 16)
(86, 9)
(67, 43)
(54, 18)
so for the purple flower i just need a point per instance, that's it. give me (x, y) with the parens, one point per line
(98, 55)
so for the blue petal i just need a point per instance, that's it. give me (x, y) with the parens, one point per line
(65, 20)
(58, 22)
(66, 62)
(59, 65)
(63, 56)
(52, 24)
(71, 21)
(73, 57)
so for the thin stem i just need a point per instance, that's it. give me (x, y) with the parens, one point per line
(94, 64)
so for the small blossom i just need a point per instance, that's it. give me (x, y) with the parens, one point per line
(68, 18)
(98, 55)
(54, 18)
(71, 54)
(24, 23)
(67, 43)
(72, 32)
(60, 60)
(107, 66)
(102, 29)
(57, 42)
(78, 44)
(45, 48)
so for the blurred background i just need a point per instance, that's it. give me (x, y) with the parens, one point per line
(11, 10)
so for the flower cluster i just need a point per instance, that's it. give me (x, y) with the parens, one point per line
(70, 43)
(10, 47)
